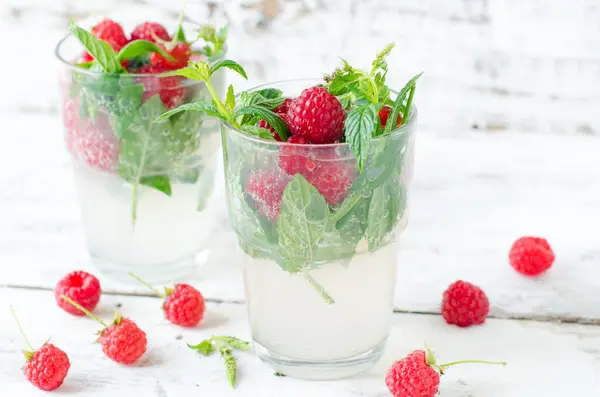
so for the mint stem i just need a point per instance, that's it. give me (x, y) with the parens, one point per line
(406, 114)
(21, 329)
(444, 366)
(83, 309)
(319, 288)
(147, 285)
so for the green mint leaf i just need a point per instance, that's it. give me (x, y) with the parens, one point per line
(230, 365)
(158, 182)
(399, 103)
(380, 63)
(198, 106)
(221, 35)
(230, 98)
(234, 342)
(303, 220)
(274, 120)
(256, 98)
(196, 71)
(85, 65)
(179, 33)
(270, 93)
(344, 84)
(102, 52)
(360, 125)
(137, 48)
(258, 131)
(228, 63)
(215, 39)
(205, 347)
(387, 204)
(279, 374)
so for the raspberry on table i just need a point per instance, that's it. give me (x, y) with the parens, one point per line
(47, 367)
(531, 256)
(316, 115)
(82, 287)
(464, 304)
(384, 113)
(266, 189)
(123, 341)
(150, 31)
(412, 377)
(184, 305)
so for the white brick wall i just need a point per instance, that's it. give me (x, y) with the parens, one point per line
(494, 64)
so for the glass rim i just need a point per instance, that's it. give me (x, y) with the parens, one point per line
(412, 118)
(89, 72)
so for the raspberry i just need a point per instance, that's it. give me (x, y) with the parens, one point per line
(531, 256)
(332, 180)
(281, 110)
(412, 377)
(316, 115)
(266, 189)
(123, 341)
(384, 113)
(464, 304)
(100, 150)
(80, 286)
(150, 31)
(418, 374)
(47, 367)
(184, 305)
(297, 140)
(111, 32)
(169, 89)
(181, 52)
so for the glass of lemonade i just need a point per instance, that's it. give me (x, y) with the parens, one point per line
(320, 243)
(143, 187)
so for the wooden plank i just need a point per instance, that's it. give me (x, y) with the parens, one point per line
(169, 369)
(472, 196)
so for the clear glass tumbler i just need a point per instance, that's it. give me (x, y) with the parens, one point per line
(320, 251)
(143, 186)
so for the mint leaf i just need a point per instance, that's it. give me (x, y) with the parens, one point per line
(179, 33)
(256, 98)
(387, 204)
(399, 103)
(274, 120)
(158, 182)
(230, 365)
(227, 63)
(102, 52)
(258, 131)
(198, 106)
(270, 93)
(302, 222)
(230, 98)
(360, 125)
(344, 84)
(215, 39)
(205, 347)
(234, 342)
(141, 47)
(85, 65)
(196, 71)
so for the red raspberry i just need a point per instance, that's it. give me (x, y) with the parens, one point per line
(150, 31)
(47, 367)
(80, 286)
(412, 377)
(332, 180)
(297, 140)
(384, 113)
(111, 32)
(464, 304)
(169, 89)
(531, 256)
(123, 341)
(266, 189)
(281, 110)
(181, 52)
(316, 115)
(100, 150)
(184, 305)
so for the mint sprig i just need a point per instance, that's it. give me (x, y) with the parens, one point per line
(224, 344)
(103, 54)
(214, 39)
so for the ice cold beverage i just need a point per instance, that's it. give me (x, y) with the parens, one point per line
(289, 318)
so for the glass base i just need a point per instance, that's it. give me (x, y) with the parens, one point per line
(320, 370)
(155, 273)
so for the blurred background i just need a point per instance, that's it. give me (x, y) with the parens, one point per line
(508, 139)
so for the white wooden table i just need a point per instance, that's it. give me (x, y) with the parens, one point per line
(505, 69)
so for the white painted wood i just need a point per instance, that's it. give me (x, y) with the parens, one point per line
(472, 196)
(545, 359)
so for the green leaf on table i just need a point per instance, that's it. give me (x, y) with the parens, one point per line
(102, 52)
(274, 120)
(258, 132)
(303, 220)
(230, 364)
(360, 124)
(158, 182)
(141, 47)
(235, 343)
(198, 106)
(205, 347)
(228, 63)
(399, 103)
